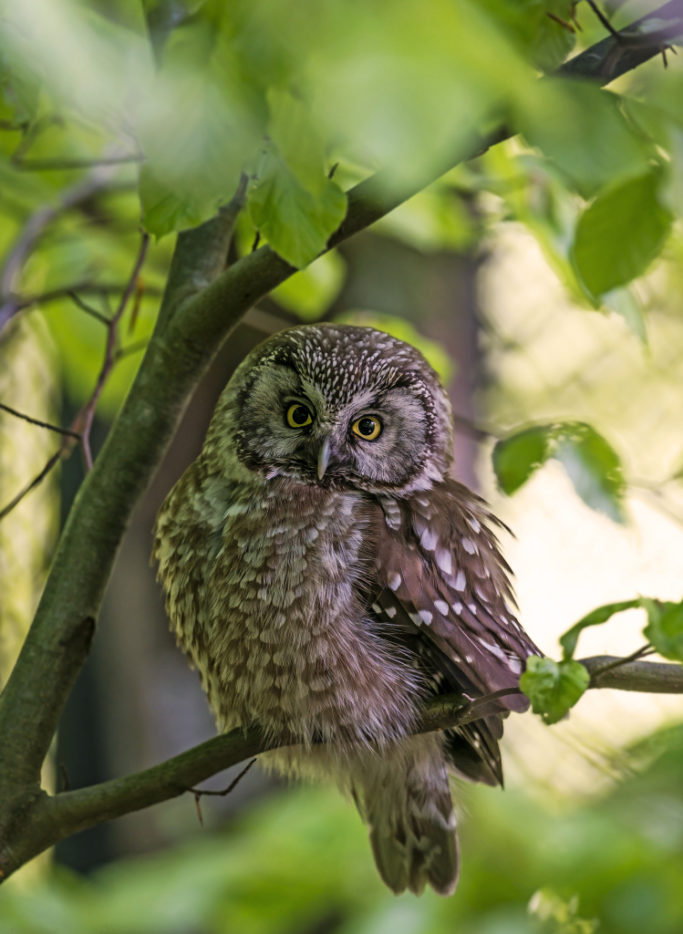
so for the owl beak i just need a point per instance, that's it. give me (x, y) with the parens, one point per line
(323, 458)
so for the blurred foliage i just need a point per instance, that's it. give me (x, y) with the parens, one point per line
(203, 92)
(301, 863)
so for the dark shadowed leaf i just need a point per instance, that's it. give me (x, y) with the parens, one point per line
(517, 457)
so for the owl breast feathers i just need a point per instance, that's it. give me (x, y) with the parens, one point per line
(326, 576)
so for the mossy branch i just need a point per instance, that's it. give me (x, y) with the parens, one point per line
(48, 819)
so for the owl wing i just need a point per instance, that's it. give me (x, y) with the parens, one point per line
(442, 588)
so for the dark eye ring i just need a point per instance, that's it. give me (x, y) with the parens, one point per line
(298, 415)
(367, 427)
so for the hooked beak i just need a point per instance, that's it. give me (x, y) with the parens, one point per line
(323, 458)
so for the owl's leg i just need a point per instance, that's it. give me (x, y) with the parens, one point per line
(404, 797)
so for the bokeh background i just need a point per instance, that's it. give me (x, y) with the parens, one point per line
(588, 833)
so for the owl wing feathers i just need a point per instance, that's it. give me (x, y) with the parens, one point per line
(443, 584)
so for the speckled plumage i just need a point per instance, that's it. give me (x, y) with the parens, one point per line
(324, 594)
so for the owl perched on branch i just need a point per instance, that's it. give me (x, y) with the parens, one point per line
(326, 576)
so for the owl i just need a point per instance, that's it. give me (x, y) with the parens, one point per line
(327, 576)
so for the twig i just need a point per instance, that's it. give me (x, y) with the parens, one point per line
(88, 309)
(562, 22)
(642, 652)
(30, 486)
(56, 165)
(13, 127)
(81, 426)
(87, 413)
(603, 19)
(466, 426)
(200, 793)
(36, 421)
(34, 229)
(85, 287)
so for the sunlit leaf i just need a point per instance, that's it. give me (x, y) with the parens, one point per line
(580, 128)
(296, 223)
(593, 467)
(620, 233)
(665, 628)
(625, 304)
(553, 687)
(297, 139)
(165, 209)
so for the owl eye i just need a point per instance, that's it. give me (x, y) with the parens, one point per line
(298, 415)
(367, 427)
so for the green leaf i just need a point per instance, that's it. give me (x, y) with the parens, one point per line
(620, 233)
(581, 129)
(411, 94)
(597, 616)
(194, 164)
(296, 223)
(665, 628)
(542, 39)
(592, 464)
(553, 687)
(625, 304)
(517, 457)
(166, 208)
(310, 292)
(294, 133)
(593, 467)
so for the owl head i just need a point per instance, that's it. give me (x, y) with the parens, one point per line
(339, 407)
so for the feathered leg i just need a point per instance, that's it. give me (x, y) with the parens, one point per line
(405, 799)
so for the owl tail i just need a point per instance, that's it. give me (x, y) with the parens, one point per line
(405, 799)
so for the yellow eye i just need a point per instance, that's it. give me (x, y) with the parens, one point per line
(367, 427)
(298, 415)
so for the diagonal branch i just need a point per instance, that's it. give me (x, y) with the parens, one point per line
(38, 422)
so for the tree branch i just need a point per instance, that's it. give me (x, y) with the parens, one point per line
(87, 413)
(34, 229)
(37, 421)
(52, 818)
(607, 671)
